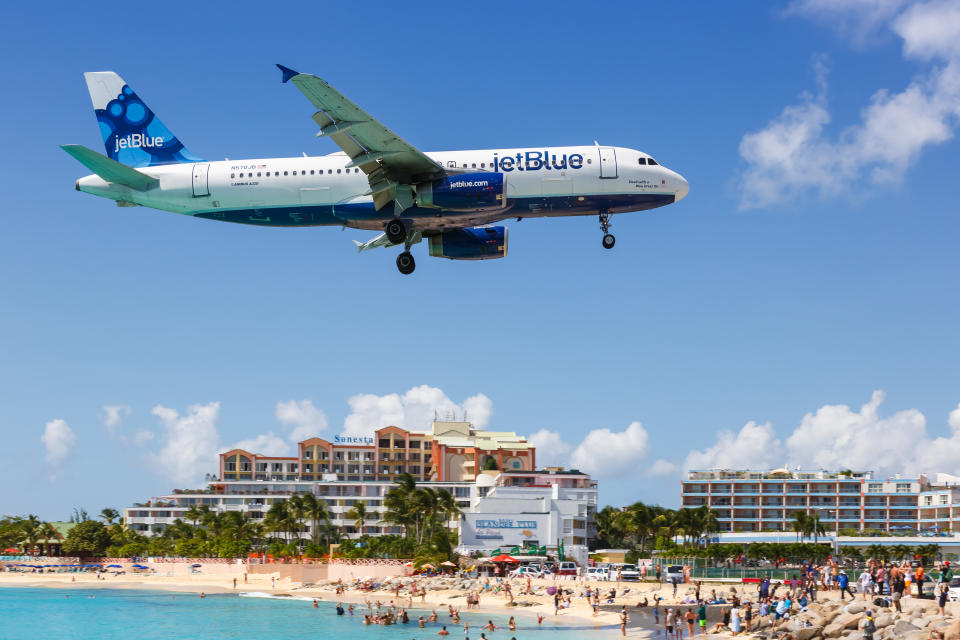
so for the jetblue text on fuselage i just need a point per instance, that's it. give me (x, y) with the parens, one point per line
(135, 140)
(536, 160)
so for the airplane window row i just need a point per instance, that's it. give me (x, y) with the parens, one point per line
(266, 174)
(647, 161)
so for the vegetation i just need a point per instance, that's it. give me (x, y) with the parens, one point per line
(641, 527)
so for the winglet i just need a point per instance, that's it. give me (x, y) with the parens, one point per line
(287, 72)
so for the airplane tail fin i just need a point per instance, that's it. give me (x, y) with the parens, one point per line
(132, 134)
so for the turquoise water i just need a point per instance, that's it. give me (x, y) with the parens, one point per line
(62, 614)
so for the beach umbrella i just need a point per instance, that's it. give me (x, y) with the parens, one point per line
(11, 550)
(196, 565)
(447, 563)
(503, 558)
(114, 566)
(408, 564)
(427, 566)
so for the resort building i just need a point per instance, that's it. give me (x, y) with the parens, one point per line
(349, 469)
(449, 451)
(531, 509)
(755, 501)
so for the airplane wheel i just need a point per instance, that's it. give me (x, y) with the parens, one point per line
(406, 263)
(609, 241)
(396, 232)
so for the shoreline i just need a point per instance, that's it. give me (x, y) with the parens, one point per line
(580, 615)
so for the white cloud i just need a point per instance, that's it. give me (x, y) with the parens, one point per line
(838, 437)
(268, 444)
(58, 439)
(307, 421)
(113, 415)
(190, 442)
(551, 448)
(415, 409)
(607, 453)
(859, 19)
(143, 436)
(793, 156)
(755, 446)
(662, 468)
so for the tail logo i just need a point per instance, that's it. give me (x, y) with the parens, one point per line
(136, 141)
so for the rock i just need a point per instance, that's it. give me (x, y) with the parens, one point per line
(952, 632)
(883, 620)
(854, 607)
(903, 627)
(807, 633)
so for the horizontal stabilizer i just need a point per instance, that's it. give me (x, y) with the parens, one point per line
(110, 170)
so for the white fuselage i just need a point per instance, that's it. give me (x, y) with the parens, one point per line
(322, 190)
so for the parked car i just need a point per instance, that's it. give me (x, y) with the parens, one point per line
(627, 572)
(567, 569)
(598, 573)
(953, 592)
(673, 572)
(525, 572)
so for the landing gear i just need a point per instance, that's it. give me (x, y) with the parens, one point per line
(396, 231)
(406, 263)
(608, 239)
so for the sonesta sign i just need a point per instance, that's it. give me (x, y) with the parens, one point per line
(345, 439)
(504, 523)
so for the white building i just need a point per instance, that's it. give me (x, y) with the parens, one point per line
(529, 509)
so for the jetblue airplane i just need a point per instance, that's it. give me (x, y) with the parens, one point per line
(377, 180)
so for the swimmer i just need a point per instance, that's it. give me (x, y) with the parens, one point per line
(203, 595)
(350, 609)
(489, 626)
(512, 625)
(315, 605)
(443, 632)
(539, 619)
(420, 621)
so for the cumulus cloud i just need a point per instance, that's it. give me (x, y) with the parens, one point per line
(143, 436)
(190, 442)
(609, 453)
(305, 419)
(662, 467)
(268, 444)
(58, 439)
(113, 415)
(840, 437)
(793, 155)
(414, 409)
(551, 448)
(754, 446)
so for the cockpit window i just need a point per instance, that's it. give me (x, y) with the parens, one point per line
(651, 161)
(642, 160)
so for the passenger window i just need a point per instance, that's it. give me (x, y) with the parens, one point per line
(232, 175)
(651, 161)
(294, 173)
(286, 173)
(356, 170)
(258, 174)
(311, 171)
(589, 161)
(483, 164)
(642, 161)
(473, 166)
(338, 170)
(451, 163)
(329, 171)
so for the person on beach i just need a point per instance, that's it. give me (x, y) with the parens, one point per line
(556, 602)
(865, 584)
(689, 617)
(668, 621)
(734, 620)
(868, 626)
(702, 619)
(942, 599)
(234, 584)
(656, 609)
(843, 583)
(623, 622)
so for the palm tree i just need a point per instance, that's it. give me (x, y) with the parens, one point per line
(815, 527)
(316, 510)
(800, 524)
(877, 551)
(447, 506)
(108, 515)
(900, 551)
(31, 529)
(397, 501)
(359, 515)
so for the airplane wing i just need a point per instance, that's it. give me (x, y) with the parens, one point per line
(391, 163)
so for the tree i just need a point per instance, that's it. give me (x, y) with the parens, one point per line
(108, 515)
(88, 539)
(490, 464)
(815, 527)
(48, 533)
(359, 515)
(30, 529)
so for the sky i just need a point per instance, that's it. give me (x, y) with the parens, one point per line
(798, 307)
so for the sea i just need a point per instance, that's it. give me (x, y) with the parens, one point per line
(77, 614)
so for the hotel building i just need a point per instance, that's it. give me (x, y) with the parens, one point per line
(348, 469)
(755, 501)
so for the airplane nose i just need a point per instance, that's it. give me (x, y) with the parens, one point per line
(683, 187)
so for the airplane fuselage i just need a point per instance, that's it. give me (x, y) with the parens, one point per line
(324, 190)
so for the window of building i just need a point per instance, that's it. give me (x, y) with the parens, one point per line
(874, 487)
(927, 500)
(943, 499)
(903, 487)
(308, 454)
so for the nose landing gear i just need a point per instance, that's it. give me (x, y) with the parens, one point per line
(608, 239)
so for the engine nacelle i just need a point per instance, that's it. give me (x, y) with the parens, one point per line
(472, 243)
(464, 192)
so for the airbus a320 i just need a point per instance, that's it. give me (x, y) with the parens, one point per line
(376, 181)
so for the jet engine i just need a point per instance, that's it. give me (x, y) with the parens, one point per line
(472, 243)
(464, 192)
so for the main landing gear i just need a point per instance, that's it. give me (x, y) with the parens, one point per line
(608, 239)
(405, 263)
(396, 231)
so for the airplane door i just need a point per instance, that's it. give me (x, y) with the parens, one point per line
(200, 185)
(608, 162)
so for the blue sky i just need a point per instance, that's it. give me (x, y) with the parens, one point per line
(813, 263)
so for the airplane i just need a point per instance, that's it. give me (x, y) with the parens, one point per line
(376, 181)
